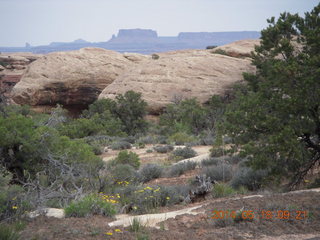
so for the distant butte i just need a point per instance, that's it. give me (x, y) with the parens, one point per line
(145, 41)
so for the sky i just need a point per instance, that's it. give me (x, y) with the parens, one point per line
(40, 22)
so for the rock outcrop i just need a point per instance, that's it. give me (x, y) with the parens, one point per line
(75, 79)
(180, 74)
(242, 48)
(12, 67)
(69, 78)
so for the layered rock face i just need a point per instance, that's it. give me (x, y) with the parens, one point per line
(12, 67)
(79, 77)
(180, 74)
(69, 78)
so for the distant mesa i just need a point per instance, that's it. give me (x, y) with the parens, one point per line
(145, 41)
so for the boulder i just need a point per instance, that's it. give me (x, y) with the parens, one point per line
(69, 78)
(180, 74)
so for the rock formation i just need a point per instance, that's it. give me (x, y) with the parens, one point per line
(76, 79)
(69, 78)
(12, 67)
(180, 74)
(242, 48)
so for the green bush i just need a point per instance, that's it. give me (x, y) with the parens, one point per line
(211, 47)
(131, 109)
(210, 161)
(216, 152)
(184, 116)
(144, 199)
(249, 178)
(12, 204)
(121, 145)
(184, 153)
(149, 172)
(125, 157)
(90, 205)
(163, 149)
(123, 172)
(8, 233)
(181, 138)
(222, 190)
(220, 51)
(221, 172)
(180, 168)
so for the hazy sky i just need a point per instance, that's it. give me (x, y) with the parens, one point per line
(40, 22)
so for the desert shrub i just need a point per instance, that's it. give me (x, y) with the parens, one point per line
(8, 233)
(163, 149)
(315, 183)
(210, 161)
(92, 204)
(120, 145)
(184, 116)
(123, 172)
(125, 157)
(149, 172)
(145, 199)
(184, 153)
(147, 140)
(220, 51)
(180, 168)
(181, 138)
(130, 109)
(221, 172)
(216, 152)
(149, 150)
(207, 139)
(96, 148)
(251, 179)
(129, 139)
(223, 222)
(235, 159)
(211, 47)
(136, 225)
(222, 190)
(162, 139)
(155, 56)
(12, 198)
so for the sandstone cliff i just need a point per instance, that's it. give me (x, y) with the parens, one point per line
(69, 78)
(79, 77)
(180, 74)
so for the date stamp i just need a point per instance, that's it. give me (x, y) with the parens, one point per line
(260, 214)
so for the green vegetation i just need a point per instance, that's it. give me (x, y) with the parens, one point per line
(150, 171)
(265, 131)
(90, 205)
(275, 116)
(180, 168)
(184, 153)
(222, 190)
(8, 233)
(220, 172)
(125, 157)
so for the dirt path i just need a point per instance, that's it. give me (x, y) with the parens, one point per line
(195, 221)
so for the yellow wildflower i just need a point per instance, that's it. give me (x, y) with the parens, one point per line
(109, 233)
(117, 230)
(168, 198)
(14, 207)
